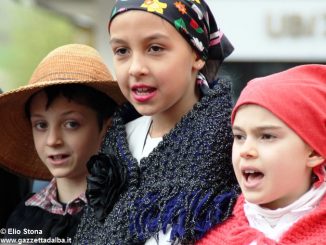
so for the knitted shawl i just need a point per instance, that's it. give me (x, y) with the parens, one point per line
(186, 182)
(308, 230)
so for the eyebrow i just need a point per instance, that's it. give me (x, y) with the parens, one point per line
(147, 38)
(261, 128)
(63, 114)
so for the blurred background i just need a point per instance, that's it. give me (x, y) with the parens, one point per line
(268, 36)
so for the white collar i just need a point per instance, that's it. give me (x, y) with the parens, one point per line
(139, 141)
(273, 223)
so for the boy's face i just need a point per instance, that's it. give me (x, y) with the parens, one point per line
(269, 159)
(155, 66)
(65, 135)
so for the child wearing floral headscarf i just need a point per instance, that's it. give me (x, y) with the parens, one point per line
(279, 152)
(174, 137)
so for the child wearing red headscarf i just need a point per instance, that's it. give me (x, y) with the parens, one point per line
(279, 152)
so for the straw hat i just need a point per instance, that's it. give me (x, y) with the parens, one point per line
(68, 64)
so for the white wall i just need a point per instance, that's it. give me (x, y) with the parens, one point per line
(273, 30)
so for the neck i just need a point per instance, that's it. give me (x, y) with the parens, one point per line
(70, 189)
(164, 121)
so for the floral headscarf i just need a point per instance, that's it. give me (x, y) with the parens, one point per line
(192, 19)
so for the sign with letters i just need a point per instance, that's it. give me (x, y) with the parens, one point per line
(273, 30)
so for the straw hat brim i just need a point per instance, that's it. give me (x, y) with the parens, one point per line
(18, 153)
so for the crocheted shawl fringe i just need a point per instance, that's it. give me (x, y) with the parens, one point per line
(191, 215)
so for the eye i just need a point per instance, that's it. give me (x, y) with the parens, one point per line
(72, 124)
(40, 125)
(120, 51)
(268, 137)
(238, 137)
(155, 49)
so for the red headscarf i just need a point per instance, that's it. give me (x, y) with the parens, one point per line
(298, 97)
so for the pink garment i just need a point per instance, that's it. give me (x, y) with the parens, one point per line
(309, 230)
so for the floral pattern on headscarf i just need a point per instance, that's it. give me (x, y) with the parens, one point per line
(191, 18)
(154, 6)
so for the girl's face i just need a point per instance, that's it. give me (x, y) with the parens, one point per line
(65, 135)
(271, 162)
(155, 67)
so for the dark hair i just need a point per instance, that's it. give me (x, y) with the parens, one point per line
(101, 103)
(210, 69)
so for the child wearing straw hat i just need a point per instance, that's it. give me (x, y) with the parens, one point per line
(52, 128)
(279, 152)
(174, 136)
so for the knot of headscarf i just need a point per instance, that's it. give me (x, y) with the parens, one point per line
(191, 18)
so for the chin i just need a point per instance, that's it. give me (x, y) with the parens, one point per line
(143, 111)
(253, 199)
(57, 174)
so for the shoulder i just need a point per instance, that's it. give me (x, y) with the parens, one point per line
(20, 210)
(32, 221)
(24, 216)
(309, 229)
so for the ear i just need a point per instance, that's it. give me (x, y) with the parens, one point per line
(198, 63)
(315, 159)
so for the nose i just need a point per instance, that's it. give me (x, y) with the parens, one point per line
(137, 65)
(248, 150)
(54, 137)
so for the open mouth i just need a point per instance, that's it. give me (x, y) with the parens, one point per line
(252, 175)
(143, 91)
(58, 157)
